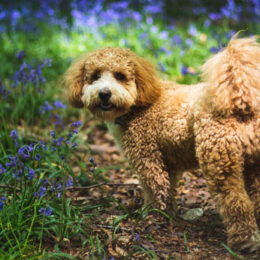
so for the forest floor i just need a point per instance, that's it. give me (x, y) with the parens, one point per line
(128, 232)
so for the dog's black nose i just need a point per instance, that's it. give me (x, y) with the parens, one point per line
(105, 94)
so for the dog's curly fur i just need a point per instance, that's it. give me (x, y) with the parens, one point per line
(164, 128)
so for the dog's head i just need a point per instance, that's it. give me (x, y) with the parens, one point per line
(110, 81)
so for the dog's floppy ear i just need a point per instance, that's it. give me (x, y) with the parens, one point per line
(147, 82)
(74, 80)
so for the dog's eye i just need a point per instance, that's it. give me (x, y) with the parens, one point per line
(95, 75)
(120, 76)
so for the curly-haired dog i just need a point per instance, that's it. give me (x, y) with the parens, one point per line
(164, 128)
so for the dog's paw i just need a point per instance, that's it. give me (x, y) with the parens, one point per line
(246, 246)
(253, 244)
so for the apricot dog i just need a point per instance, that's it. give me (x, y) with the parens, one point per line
(164, 128)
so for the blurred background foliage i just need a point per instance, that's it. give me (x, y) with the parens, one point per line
(62, 29)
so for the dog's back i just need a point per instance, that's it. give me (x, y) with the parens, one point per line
(234, 79)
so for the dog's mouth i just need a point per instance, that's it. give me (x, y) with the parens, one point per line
(107, 106)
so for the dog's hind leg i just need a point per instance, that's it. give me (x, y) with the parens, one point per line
(252, 181)
(220, 155)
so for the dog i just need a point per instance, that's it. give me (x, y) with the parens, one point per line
(164, 128)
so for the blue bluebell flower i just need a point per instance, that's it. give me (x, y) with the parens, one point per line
(52, 133)
(184, 70)
(31, 173)
(76, 124)
(14, 135)
(41, 192)
(42, 145)
(214, 49)
(58, 104)
(46, 107)
(2, 201)
(37, 157)
(58, 141)
(25, 151)
(46, 211)
(74, 145)
(3, 91)
(2, 169)
(91, 159)
(162, 67)
(69, 182)
(164, 35)
(189, 42)
(58, 121)
(192, 30)
(17, 173)
(177, 39)
(215, 16)
(20, 55)
(13, 161)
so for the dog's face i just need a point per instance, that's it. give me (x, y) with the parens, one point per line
(109, 81)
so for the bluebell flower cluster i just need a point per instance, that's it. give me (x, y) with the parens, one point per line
(27, 73)
(52, 108)
(56, 142)
(250, 11)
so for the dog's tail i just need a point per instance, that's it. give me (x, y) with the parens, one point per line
(233, 77)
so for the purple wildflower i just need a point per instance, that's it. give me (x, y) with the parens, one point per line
(46, 211)
(76, 124)
(74, 145)
(52, 133)
(59, 104)
(214, 49)
(215, 16)
(3, 91)
(2, 200)
(14, 135)
(91, 159)
(31, 173)
(162, 67)
(192, 30)
(41, 192)
(17, 174)
(20, 55)
(37, 157)
(184, 70)
(42, 145)
(13, 161)
(2, 169)
(46, 107)
(58, 121)
(24, 151)
(69, 182)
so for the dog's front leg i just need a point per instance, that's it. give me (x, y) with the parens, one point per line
(146, 158)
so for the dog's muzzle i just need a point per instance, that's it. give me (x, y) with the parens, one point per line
(105, 95)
